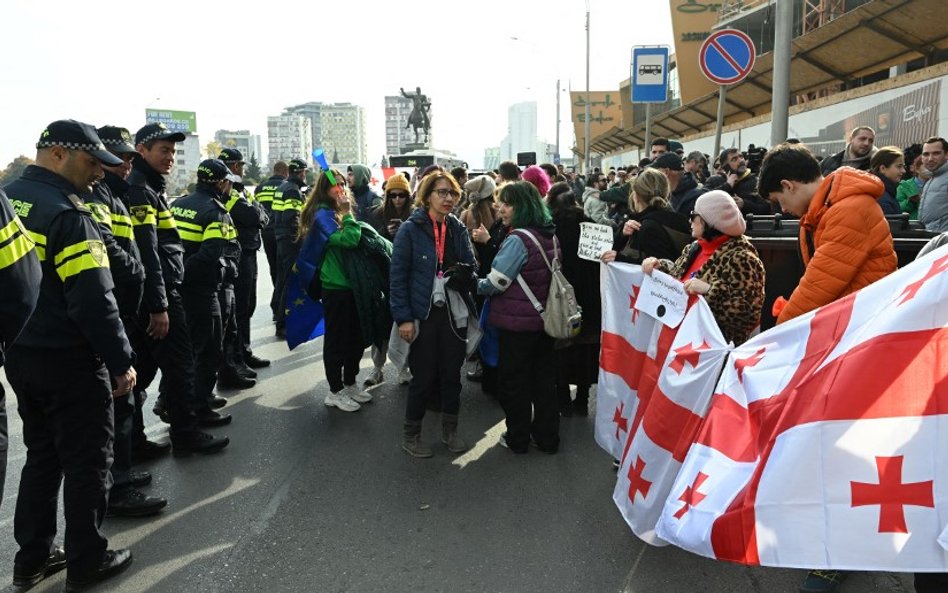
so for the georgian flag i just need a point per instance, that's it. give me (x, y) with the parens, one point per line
(655, 385)
(824, 443)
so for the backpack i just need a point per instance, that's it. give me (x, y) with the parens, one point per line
(562, 317)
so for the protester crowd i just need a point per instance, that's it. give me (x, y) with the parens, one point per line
(439, 273)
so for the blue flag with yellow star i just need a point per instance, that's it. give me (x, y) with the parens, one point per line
(304, 316)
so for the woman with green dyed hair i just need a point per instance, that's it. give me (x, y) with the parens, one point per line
(526, 369)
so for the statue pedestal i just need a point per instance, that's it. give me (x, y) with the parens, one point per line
(413, 146)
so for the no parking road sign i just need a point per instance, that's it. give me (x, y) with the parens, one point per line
(727, 56)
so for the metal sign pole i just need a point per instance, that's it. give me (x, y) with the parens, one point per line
(780, 104)
(648, 130)
(722, 95)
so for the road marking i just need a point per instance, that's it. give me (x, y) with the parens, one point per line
(628, 579)
(491, 438)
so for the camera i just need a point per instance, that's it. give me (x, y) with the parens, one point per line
(754, 157)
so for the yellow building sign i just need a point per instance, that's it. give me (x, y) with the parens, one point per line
(605, 113)
(691, 23)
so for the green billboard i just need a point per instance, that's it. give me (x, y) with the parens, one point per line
(177, 121)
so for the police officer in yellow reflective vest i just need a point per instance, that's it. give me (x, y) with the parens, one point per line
(70, 361)
(20, 277)
(211, 253)
(264, 196)
(162, 337)
(287, 204)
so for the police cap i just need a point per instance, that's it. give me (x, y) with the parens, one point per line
(213, 171)
(76, 135)
(157, 131)
(298, 165)
(231, 155)
(117, 140)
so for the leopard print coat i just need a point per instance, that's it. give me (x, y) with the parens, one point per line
(736, 276)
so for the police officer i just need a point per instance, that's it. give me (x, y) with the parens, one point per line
(162, 332)
(287, 204)
(211, 253)
(61, 365)
(128, 276)
(264, 196)
(20, 277)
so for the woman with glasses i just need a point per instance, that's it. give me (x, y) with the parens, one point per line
(327, 219)
(432, 269)
(386, 218)
(577, 360)
(526, 372)
(653, 229)
(721, 264)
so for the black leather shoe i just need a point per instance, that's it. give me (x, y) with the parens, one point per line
(130, 502)
(230, 380)
(281, 333)
(216, 402)
(113, 562)
(160, 411)
(148, 450)
(25, 578)
(255, 362)
(197, 442)
(246, 371)
(210, 418)
(137, 479)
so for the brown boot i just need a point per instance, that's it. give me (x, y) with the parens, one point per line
(449, 434)
(411, 441)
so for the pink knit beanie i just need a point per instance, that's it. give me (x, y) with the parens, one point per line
(538, 177)
(719, 210)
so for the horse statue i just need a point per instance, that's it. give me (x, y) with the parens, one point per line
(418, 118)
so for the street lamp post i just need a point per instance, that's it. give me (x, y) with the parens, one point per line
(586, 119)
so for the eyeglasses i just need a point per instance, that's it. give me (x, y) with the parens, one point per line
(397, 195)
(443, 193)
(693, 215)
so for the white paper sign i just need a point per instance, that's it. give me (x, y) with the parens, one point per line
(594, 240)
(663, 297)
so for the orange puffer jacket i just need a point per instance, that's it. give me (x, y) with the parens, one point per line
(845, 240)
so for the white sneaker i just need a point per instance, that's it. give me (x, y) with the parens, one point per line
(342, 401)
(404, 376)
(374, 378)
(357, 395)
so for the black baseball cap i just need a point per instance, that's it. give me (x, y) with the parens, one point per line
(157, 131)
(117, 140)
(231, 155)
(298, 165)
(213, 171)
(76, 135)
(668, 160)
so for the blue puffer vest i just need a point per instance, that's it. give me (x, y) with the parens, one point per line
(512, 310)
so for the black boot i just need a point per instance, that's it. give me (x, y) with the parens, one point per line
(411, 441)
(449, 434)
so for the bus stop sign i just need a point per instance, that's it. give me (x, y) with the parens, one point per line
(727, 56)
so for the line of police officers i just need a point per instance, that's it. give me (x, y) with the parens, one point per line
(123, 284)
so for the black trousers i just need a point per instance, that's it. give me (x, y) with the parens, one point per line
(232, 351)
(175, 357)
(527, 378)
(204, 315)
(435, 361)
(273, 263)
(287, 250)
(245, 291)
(342, 344)
(4, 441)
(67, 429)
(124, 409)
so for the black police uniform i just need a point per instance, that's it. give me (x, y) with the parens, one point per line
(59, 369)
(162, 255)
(20, 277)
(211, 253)
(249, 218)
(264, 196)
(287, 204)
(128, 275)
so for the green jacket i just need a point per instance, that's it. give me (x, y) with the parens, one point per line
(332, 274)
(366, 268)
(908, 189)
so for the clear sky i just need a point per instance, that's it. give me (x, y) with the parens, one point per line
(235, 63)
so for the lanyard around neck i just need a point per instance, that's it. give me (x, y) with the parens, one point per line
(440, 234)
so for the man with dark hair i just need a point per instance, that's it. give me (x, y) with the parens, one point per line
(857, 153)
(659, 147)
(684, 188)
(845, 243)
(162, 338)
(287, 204)
(264, 196)
(738, 181)
(508, 171)
(933, 207)
(358, 177)
(62, 365)
(551, 170)
(593, 205)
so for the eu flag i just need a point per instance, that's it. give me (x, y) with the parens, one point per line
(304, 316)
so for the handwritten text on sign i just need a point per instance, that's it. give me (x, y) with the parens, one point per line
(594, 240)
(663, 297)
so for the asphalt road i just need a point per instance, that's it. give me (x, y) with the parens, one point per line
(311, 499)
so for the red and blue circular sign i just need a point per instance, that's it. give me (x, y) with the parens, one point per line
(727, 56)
